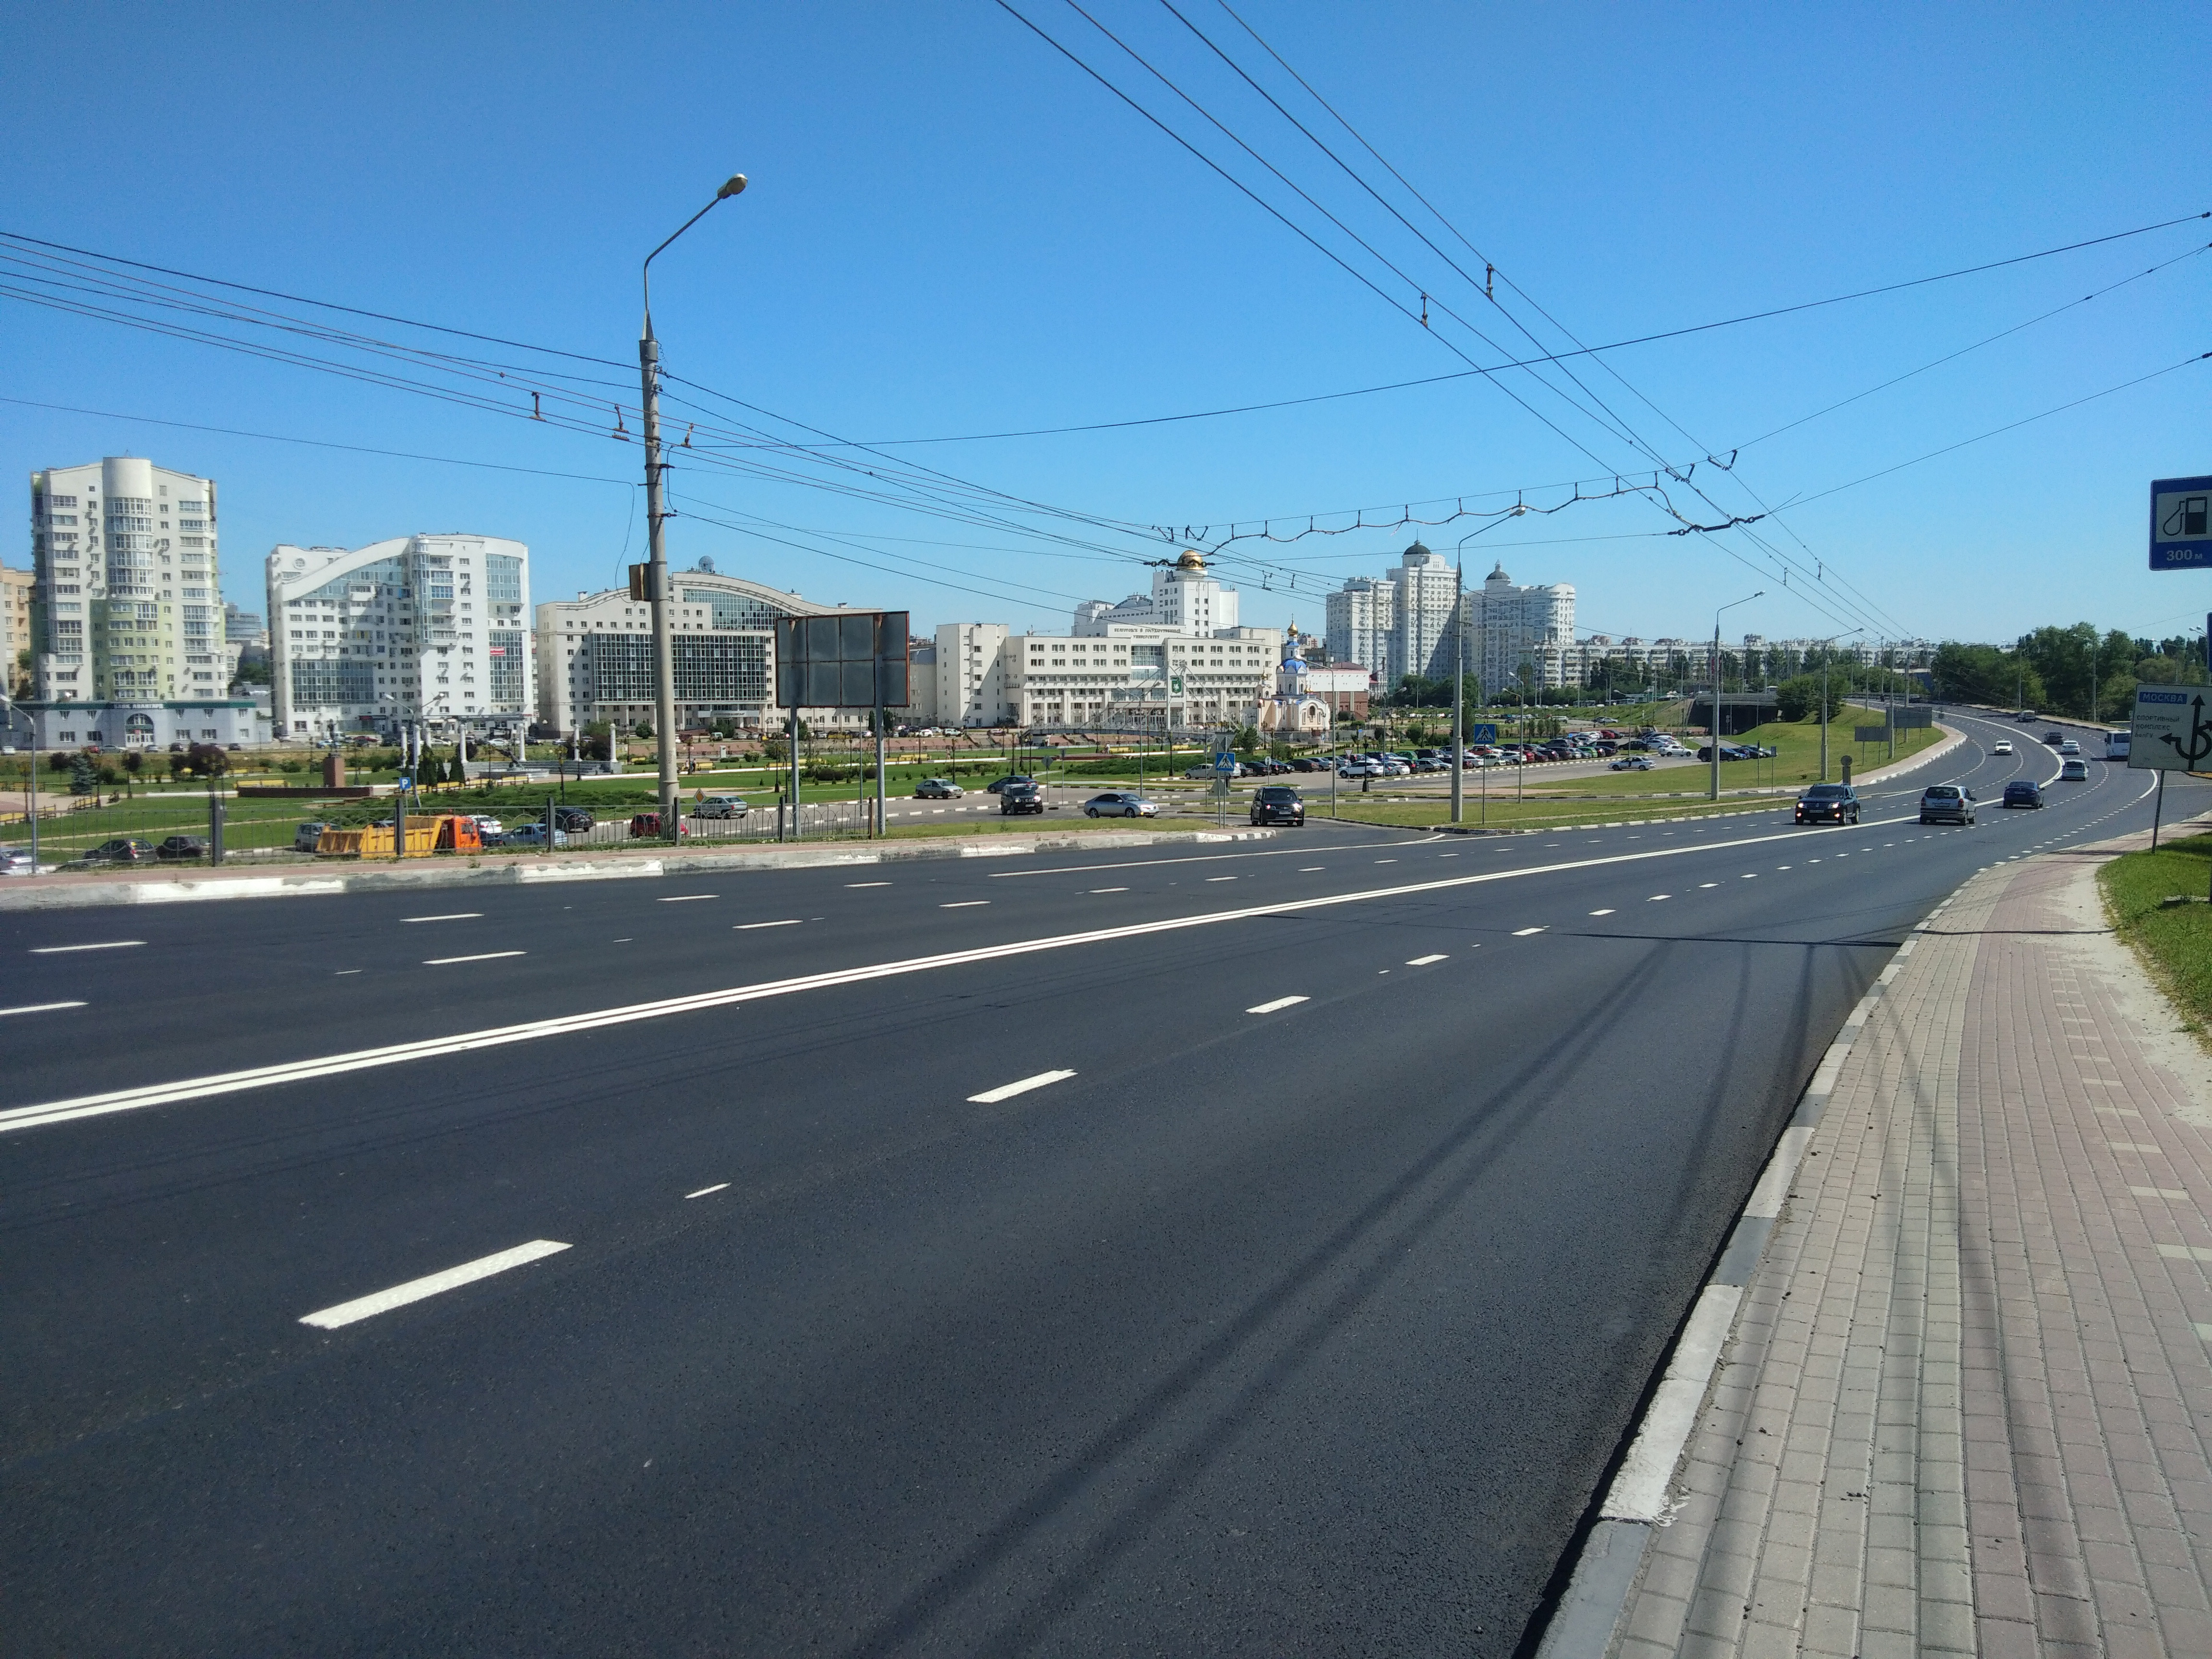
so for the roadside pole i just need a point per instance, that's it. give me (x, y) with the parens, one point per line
(1459, 696)
(879, 762)
(2157, 808)
(794, 772)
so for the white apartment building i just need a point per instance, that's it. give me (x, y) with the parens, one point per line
(15, 586)
(1509, 627)
(431, 627)
(1422, 640)
(127, 587)
(595, 656)
(972, 674)
(1360, 618)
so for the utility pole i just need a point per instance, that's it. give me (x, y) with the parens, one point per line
(1459, 693)
(656, 511)
(1713, 746)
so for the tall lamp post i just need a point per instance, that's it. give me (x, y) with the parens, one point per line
(656, 510)
(1826, 645)
(1713, 746)
(1459, 667)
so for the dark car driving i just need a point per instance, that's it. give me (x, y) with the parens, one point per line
(2021, 793)
(1020, 795)
(1279, 804)
(120, 852)
(1828, 803)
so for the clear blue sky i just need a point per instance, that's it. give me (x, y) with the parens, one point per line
(952, 229)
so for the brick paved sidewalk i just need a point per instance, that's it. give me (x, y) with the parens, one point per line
(1967, 1403)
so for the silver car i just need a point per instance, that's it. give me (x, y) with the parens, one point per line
(1114, 803)
(16, 861)
(1947, 803)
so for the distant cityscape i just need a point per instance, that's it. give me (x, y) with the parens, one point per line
(118, 634)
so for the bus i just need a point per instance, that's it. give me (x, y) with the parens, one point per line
(2115, 745)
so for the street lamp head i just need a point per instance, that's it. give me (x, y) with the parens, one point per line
(734, 187)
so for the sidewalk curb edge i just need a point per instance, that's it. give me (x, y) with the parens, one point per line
(1586, 1623)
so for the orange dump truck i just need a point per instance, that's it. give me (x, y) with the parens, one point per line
(442, 832)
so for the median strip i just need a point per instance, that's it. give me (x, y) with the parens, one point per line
(416, 1290)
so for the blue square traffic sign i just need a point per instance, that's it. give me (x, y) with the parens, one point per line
(2181, 524)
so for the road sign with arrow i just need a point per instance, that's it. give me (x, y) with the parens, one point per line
(2170, 732)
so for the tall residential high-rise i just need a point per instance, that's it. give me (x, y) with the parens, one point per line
(429, 628)
(1510, 630)
(1421, 638)
(1359, 619)
(128, 584)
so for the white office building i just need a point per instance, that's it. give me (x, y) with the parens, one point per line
(1134, 677)
(125, 604)
(1185, 599)
(429, 628)
(595, 657)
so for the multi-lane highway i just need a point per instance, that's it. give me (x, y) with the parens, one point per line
(1259, 1249)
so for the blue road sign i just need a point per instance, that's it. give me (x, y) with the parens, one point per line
(1482, 732)
(2181, 524)
(406, 783)
(1225, 764)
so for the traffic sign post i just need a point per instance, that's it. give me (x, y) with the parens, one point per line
(2169, 733)
(2181, 524)
(1482, 732)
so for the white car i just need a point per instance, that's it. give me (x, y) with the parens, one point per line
(488, 825)
(2002, 746)
(2073, 771)
(2070, 747)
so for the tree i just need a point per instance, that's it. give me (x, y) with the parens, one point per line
(1799, 697)
(209, 760)
(643, 729)
(84, 776)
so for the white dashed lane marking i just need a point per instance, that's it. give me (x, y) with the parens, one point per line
(748, 927)
(64, 949)
(481, 956)
(1434, 956)
(1523, 933)
(414, 1290)
(39, 1008)
(458, 915)
(1277, 1005)
(1008, 1091)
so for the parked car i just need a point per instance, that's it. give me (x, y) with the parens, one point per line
(1118, 804)
(1302, 764)
(1832, 803)
(572, 820)
(2002, 746)
(998, 786)
(16, 861)
(1729, 752)
(2070, 747)
(2023, 793)
(305, 837)
(2073, 771)
(533, 835)
(1020, 795)
(938, 789)
(120, 851)
(1279, 804)
(1634, 763)
(1947, 803)
(172, 847)
(720, 806)
(488, 827)
(646, 826)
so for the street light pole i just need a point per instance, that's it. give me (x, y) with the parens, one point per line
(656, 511)
(1459, 686)
(1713, 744)
(1827, 646)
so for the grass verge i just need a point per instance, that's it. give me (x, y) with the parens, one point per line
(2176, 945)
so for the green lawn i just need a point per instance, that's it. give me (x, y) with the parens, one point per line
(2176, 944)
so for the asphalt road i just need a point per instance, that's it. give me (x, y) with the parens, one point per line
(1298, 1304)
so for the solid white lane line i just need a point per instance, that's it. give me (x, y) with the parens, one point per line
(458, 915)
(1221, 878)
(850, 884)
(1109, 889)
(1434, 956)
(63, 950)
(748, 927)
(964, 904)
(1277, 1005)
(718, 1186)
(39, 1008)
(343, 972)
(360, 1059)
(1308, 869)
(687, 898)
(1008, 1091)
(1600, 913)
(482, 956)
(1386, 860)
(1523, 933)
(414, 1290)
